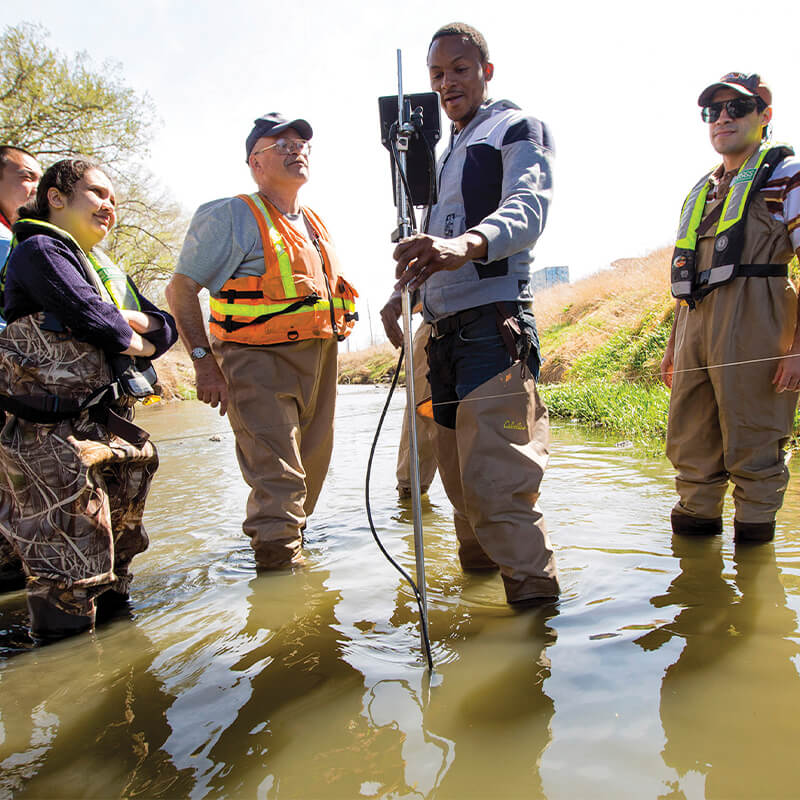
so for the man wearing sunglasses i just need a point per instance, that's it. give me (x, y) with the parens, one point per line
(733, 356)
(279, 306)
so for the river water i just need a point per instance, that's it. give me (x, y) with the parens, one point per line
(669, 669)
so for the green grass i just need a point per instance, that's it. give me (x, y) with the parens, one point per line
(638, 411)
(631, 353)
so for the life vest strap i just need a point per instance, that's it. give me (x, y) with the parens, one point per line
(230, 325)
(748, 271)
(232, 295)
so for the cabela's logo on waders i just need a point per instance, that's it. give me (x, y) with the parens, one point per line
(510, 425)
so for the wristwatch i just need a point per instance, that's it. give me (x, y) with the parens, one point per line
(198, 353)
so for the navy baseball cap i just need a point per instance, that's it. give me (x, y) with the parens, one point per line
(271, 125)
(748, 85)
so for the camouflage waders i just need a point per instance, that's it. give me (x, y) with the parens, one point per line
(72, 494)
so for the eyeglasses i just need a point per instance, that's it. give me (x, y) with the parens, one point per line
(287, 147)
(736, 108)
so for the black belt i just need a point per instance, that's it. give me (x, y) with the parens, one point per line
(446, 325)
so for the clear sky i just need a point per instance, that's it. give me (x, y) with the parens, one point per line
(617, 82)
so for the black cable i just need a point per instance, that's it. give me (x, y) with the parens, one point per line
(417, 595)
(402, 174)
(431, 180)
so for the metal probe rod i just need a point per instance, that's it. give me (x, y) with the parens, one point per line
(405, 230)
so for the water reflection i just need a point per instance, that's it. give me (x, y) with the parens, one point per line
(43, 721)
(227, 683)
(720, 710)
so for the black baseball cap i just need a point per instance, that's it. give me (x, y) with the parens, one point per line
(748, 85)
(272, 124)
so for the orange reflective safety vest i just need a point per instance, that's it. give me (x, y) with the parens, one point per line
(301, 294)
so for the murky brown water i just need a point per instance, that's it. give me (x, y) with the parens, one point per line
(668, 670)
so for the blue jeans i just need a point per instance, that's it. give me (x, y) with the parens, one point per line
(470, 353)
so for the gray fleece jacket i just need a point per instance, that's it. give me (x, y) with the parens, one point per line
(494, 178)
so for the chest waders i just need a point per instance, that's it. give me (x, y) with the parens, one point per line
(692, 286)
(134, 377)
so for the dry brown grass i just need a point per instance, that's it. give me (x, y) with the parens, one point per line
(573, 319)
(637, 280)
(576, 318)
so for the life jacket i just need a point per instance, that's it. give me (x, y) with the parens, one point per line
(296, 298)
(689, 285)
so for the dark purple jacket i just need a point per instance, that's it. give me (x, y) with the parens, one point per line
(45, 274)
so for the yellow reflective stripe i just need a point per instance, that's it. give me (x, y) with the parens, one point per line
(284, 264)
(241, 310)
(689, 240)
(728, 219)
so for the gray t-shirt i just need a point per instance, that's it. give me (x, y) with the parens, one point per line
(223, 241)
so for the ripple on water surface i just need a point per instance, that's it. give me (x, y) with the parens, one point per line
(667, 669)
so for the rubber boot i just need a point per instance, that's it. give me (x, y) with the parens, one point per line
(49, 623)
(753, 532)
(470, 552)
(684, 525)
(503, 438)
(111, 604)
(12, 576)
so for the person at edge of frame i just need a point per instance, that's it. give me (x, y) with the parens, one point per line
(75, 469)
(472, 268)
(739, 228)
(279, 306)
(19, 176)
(426, 427)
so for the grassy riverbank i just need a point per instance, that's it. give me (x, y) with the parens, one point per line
(602, 338)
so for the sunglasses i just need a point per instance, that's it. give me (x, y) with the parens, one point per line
(736, 108)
